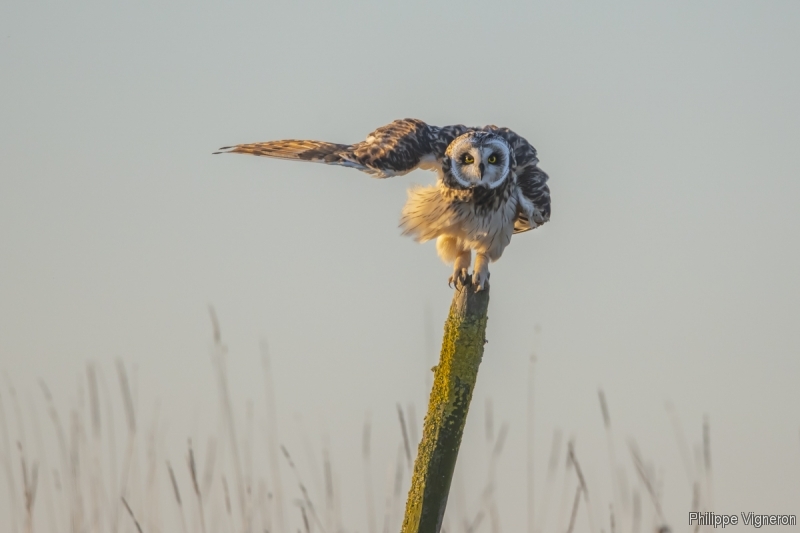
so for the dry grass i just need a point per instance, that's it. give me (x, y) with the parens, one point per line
(89, 488)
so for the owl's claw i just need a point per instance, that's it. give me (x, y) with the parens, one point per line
(479, 279)
(459, 279)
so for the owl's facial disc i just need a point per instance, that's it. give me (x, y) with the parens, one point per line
(480, 159)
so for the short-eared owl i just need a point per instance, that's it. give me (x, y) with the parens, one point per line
(489, 185)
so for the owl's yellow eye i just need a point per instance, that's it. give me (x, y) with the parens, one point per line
(492, 159)
(468, 159)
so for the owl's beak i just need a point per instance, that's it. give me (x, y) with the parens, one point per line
(481, 167)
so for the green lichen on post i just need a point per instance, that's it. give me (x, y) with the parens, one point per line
(453, 383)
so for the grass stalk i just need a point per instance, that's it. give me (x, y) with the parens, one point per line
(60, 436)
(263, 505)
(228, 509)
(152, 497)
(552, 468)
(530, 447)
(647, 480)
(397, 492)
(307, 503)
(219, 352)
(75, 473)
(30, 479)
(12, 489)
(330, 502)
(404, 431)
(575, 504)
(130, 419)
(572, 458)
(683, 446)
(616, 489)
(411, 423)
(114, 508)
(46, 489)
(387, 504)
(176, 491)
(372, 526)
(196, 486)
(95, 468)
(565, 486)
(489, 500)
(272, 438)
(707, 462)
(248, 465)
(133, 516)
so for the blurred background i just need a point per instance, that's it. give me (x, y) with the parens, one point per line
(668, 274)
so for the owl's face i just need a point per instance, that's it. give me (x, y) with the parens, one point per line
(479, 158)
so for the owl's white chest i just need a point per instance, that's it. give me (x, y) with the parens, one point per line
(483, 225)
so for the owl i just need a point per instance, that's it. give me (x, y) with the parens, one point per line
(489, 185)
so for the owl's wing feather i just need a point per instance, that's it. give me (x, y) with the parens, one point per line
(391, 150)
(534, 199)
(315, 151)
(532, 181)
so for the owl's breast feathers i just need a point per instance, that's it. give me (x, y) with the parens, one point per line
(482, 217)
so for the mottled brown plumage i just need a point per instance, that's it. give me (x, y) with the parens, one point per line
(489, 186)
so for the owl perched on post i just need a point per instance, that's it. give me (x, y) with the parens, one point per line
(488, 188)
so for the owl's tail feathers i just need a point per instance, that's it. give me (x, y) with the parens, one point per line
(314, 151)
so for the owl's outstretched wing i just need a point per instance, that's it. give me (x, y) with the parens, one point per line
(391, 150)
(532, 181)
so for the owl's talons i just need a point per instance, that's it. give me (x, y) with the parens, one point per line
(480, 279)
(458, 279)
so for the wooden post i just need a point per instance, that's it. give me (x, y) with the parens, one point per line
(453, 383)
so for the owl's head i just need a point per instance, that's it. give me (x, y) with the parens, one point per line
(479, 158)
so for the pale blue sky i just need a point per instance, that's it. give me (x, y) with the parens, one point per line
(669, 270)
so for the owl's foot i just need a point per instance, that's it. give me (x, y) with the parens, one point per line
(480, 280)
(460, 268)
(480, 276)
(459, 278)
